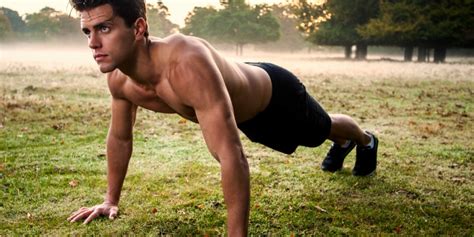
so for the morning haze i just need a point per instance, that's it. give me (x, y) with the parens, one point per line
(55, 110)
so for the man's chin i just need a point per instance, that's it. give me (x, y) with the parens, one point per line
(106, 68)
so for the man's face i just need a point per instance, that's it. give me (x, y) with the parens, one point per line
(110, 39)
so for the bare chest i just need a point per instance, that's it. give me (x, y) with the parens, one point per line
(158, 99)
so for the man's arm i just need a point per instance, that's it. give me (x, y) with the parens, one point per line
(119, 151)
(221, 136)
(201, 86)
(119, 147)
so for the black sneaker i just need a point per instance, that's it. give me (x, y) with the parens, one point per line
(366, 159)
(335, 157)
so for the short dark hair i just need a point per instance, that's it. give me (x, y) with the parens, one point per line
(129, 10)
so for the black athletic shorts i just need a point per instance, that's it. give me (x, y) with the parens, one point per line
(292, 117)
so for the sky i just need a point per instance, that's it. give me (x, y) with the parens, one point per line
(178, 8)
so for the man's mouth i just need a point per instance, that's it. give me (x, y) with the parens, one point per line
(99, 57)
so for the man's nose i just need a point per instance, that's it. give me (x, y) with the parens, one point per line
(94, 41)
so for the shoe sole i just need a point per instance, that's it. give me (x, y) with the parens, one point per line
(367, 175)
(330, 171)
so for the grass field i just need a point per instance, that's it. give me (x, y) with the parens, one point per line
(53, 123)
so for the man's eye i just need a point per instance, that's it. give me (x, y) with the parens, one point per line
(104, 29)
(86, 32)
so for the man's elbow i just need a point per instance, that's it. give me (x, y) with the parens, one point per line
(123, 141)
(235, 157)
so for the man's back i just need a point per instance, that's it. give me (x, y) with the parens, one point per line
(172, 61)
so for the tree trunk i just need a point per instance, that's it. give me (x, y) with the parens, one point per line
(239, 49)
(361, 51)
(348, 51)
(422, 53)
(439, 54)
(408, 54)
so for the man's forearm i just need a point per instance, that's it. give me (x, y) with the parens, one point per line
(118, 157)
(236, 186)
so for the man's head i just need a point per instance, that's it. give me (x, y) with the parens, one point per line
(114, 29)
(129, 10)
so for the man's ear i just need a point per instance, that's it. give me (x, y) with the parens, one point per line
(141, 28)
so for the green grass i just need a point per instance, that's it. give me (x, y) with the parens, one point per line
(54, 123)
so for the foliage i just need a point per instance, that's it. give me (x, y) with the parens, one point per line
(158, 22)
(50, 24)
(232, 3)
(16, 22)
(310, 15)
(290, 38)
(237, 23)
(335, 22)
(395, 26)
(243, 25)
(427, 23)
(5, 27)
(196, 21)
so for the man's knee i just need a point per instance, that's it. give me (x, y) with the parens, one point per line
(341, 119)
(343, 124)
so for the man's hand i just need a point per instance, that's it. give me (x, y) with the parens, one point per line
(104, 209)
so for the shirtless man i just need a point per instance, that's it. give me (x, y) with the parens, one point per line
(186, 75)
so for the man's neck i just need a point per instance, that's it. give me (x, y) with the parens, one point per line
(139, 67)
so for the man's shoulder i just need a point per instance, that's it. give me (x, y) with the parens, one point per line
(183, 46)
(182, 40)
(116, 81)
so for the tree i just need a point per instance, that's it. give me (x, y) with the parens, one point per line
(290, 38)
(243, 25)
(49, 23)
(43, 24)
(237, 23)
(69, 27)
(447, 24)
(5, 27)
(158, 22)
(424, 24)
(396, 25)
(196, 22)
(335, 22)
(16, 22)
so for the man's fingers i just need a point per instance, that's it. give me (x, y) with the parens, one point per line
(74, 214)
(82, 215)
(91, 217)
(113, 213)
(90, 214)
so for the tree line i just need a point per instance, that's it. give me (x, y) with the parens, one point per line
(428, 25)
(45, 24)
(237, 23)
(425, 25)
(50, 24)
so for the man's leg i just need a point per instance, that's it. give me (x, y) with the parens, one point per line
(344, 128)
(346, 134)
